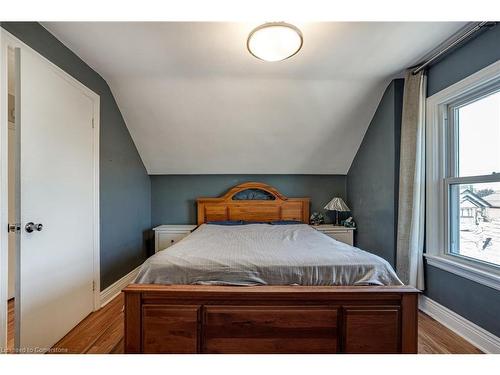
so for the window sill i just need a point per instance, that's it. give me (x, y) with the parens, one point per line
(465, 269)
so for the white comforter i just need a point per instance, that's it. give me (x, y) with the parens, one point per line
(263, 254)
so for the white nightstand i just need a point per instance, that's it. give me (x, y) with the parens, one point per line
(167, 235)
(339, 233)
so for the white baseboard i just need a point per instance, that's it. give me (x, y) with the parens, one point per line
(477, 336)
(114, 289)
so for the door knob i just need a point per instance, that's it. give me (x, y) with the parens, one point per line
(31, 227)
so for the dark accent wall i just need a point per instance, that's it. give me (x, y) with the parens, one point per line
(124, 183)
(473, 301)
(173, 197)
(478, 303)
(475, 55)
(373, 179)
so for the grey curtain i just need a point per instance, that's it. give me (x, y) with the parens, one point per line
(411, 207)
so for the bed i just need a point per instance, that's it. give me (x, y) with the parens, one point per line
(262, 288)
(247, 254)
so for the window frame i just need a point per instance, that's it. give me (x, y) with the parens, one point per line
(442, 173)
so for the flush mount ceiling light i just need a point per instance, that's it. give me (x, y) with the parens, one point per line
(274, 41)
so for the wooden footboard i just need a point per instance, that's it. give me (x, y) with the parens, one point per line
(270, 319)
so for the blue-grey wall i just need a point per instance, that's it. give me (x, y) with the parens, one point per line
(478, 303)
(372, 181)
(124, 184)
(173, 197)
(464, 61)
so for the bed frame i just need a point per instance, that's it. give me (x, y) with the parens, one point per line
(268, 319)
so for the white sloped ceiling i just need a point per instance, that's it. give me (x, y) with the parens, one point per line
(196, 102)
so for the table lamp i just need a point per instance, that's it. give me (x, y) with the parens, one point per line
(337, 205)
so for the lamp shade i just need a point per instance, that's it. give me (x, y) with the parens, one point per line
(337, 204)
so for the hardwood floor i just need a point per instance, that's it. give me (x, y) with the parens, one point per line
(433, 337)
(10, 324)
(102, 333)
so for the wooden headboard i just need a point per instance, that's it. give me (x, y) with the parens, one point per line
(278, 207)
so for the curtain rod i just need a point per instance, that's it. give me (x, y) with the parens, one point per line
(450, 45)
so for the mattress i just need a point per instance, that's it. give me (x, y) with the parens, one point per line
(263, 254)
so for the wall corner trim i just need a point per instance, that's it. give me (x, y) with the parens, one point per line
(116, 288)
(477, 336)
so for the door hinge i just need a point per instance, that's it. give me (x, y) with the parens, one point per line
(93, 286)
(92, 123)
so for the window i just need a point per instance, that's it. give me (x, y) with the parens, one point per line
(463, 177)
(473, 183)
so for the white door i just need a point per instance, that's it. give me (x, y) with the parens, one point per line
(57, 195)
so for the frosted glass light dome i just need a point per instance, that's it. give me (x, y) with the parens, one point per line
(274, 41)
